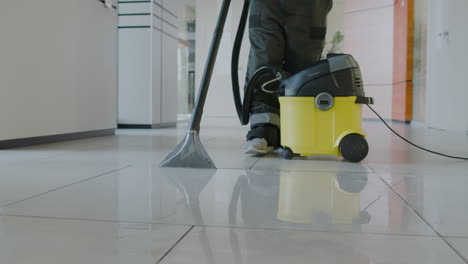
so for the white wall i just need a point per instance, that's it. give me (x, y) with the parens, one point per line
(219, 101)
(369, 32)
(57, 67)
(447, 87)
(335, 23)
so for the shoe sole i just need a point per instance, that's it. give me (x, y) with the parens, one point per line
(254, 151)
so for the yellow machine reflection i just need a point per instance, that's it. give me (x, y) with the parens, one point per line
(322, 198)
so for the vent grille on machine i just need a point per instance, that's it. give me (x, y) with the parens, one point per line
(358, 82)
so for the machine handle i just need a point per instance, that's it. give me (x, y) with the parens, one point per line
(278, 78)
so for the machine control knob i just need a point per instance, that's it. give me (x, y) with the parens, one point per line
(324, 101)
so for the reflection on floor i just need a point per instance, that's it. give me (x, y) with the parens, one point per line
(105, 200)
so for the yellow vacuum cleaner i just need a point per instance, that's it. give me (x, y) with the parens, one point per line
(321, 110)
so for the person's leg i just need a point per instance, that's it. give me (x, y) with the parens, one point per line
(306, 28)
(267, 49)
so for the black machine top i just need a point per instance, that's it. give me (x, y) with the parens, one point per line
(338, 75)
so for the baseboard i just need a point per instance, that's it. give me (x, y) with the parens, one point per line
(165, 125)
(401, 121)
(24, 142)
(126, 126)
(153, 126)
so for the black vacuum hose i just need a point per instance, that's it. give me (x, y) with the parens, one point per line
(242, 109)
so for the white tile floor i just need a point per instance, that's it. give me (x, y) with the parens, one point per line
(105, 200)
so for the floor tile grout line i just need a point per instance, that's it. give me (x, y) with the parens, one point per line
(291, 170)
(368, 166)
(426, 222)
(456, 237)
(93, 220)
(255, 163)
(317, 231)
(175, 245)
(65, 186)
(325, 171)
(296, 170)
(226, 227)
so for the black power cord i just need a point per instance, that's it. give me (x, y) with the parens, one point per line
(411, 143)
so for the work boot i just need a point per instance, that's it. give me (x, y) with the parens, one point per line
(257, 146)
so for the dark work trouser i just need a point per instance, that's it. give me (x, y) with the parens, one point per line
(288, 35)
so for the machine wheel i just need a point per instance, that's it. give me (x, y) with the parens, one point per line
(287, 153)
(354, 148)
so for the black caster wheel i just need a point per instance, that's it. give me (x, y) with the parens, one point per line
(287, 153)
(354, 148)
